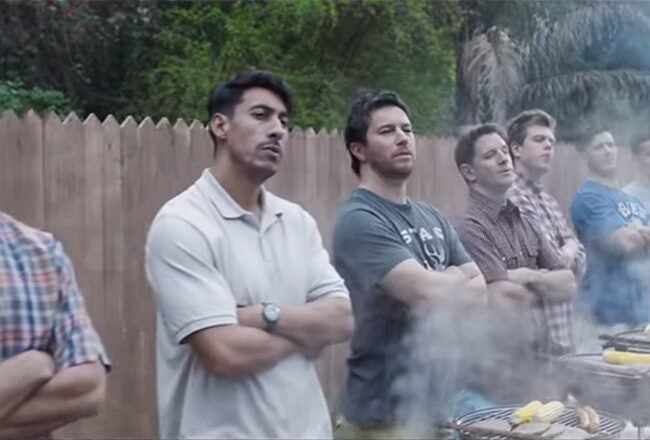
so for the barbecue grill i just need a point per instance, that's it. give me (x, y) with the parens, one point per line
(610, 426)
(633, 340)
(622, 389)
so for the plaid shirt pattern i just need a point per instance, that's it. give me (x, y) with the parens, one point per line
(500, 238)
(545, 211)
(41, 307)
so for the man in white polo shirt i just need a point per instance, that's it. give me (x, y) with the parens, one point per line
(245, 291)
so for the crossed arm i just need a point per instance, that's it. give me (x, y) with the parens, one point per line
(34, 399)
(412, 284)
(245, 348)
(629, 240)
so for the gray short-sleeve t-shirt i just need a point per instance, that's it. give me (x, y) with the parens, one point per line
(204, 257)
(371, 236)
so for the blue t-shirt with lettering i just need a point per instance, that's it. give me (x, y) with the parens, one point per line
(614, 287)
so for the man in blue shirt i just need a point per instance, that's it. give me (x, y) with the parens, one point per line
(613, 226)
(640, 187)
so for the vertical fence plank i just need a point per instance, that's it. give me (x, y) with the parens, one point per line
(21, 172)
(138, 412)
(200, 149)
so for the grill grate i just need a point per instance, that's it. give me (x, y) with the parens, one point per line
(633, 340)
(610, 426)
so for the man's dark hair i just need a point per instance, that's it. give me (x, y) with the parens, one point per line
(584, 138)
(638, 140)
(225, 97)
(517, 126)
(466, 147)
(356, 127)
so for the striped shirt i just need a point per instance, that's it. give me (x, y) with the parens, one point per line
(41, 307)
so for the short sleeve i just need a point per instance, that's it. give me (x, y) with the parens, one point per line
(323, 280)
(366, 248)
(74, 339)
(190, 291)
(458, 255)
(482, 250)
(594, 217)
(547, 257)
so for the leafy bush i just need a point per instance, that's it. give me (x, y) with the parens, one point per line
(15, 96)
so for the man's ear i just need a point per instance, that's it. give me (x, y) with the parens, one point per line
(219, 125)
(467, 171)
(358, 150)
(515, 150)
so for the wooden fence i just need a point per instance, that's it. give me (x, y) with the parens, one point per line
(97, 185)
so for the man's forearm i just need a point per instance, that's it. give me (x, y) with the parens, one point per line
(312, 325)
(238, 350)
(20, 376)
(73, 393)
(554, 286)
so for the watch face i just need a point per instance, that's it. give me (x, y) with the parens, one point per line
(271, 313)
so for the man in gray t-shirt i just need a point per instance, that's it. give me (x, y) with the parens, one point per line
(397, 257)
(246, 294)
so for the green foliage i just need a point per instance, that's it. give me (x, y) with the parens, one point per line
(326, 50)
(14, 96)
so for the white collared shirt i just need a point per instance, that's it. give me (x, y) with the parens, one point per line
(205, 255)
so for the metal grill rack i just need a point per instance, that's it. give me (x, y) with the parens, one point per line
(610, 425)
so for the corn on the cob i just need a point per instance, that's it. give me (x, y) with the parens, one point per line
(625, 357)
(549, 412)
(526, 413)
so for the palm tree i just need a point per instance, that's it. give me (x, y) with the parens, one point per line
(560, 68)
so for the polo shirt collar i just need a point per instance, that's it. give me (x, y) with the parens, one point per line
(227, 206)
(489, 207)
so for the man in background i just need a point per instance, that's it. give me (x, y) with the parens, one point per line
(523, 273)
(613, 226)
(402, 261)
(640, 188)
(531, 138)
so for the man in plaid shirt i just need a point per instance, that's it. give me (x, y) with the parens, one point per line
(521, 270)
(52, 362)
(531, 139)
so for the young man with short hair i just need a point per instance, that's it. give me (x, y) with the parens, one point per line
(246, 294)
(640, 188)
(531, 138)
(399, 258)
(613, 227)
(523, 273)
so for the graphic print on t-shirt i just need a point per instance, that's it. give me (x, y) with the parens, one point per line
(632, 213)
(432, 246)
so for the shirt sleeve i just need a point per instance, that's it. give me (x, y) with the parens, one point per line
(594, 217)
(547, 257)
(482, 250)
(323, 280)
(458, 255)
(74, 339)
(190, 290)
(580, 261)
(366, 248)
